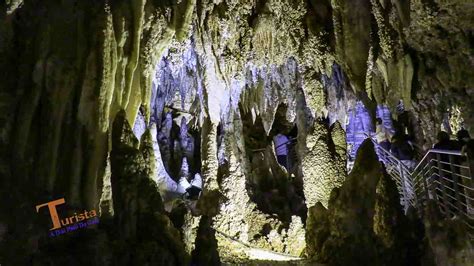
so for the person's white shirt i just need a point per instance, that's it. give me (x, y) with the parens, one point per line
(183, 185)
(381, 134)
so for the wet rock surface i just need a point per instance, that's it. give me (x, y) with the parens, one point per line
(212, 81)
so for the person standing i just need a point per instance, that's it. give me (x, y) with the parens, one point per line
(382, 135)
(403, 151)
(281, 148)
(463, 138)
(445, 143)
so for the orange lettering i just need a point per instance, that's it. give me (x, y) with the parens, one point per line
(52, 212)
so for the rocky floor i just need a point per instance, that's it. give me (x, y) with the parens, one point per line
(271, 263)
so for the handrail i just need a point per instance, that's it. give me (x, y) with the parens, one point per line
(400, 173)
(449, 152)
(431, 151)
(248, 245)
(441, 177)
(390, 155)
(289, 141)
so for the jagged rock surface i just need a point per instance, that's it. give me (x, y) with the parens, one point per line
(239, 217)
(144, 233)
(68, 67)
(448, 242)
(323, 167)
(363, 223)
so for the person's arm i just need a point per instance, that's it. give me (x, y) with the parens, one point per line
(464, 150)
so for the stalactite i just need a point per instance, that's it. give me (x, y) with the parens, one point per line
(226, 70)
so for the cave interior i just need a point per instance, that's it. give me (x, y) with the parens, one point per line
(236, 132)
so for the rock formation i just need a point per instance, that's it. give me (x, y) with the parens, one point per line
(448, 244)
(143, 231)
(213, 82)
(364, 222)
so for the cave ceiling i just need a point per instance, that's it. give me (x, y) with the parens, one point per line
(236, 72)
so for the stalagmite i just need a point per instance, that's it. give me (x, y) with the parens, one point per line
(207, 86)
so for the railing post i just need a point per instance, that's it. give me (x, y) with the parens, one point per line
(408, 185)
(442, 183)
(419, 198)
(470, 193)
(404, 189)
(431, 183)
(456, 187)
(425, 182)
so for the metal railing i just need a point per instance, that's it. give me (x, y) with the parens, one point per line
(291, 157)
(290, 141)
(446, 177)
(441, 175)
(400, 172)
(266, 253)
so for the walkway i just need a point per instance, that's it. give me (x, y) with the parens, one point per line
(255, 253)
(443, 176)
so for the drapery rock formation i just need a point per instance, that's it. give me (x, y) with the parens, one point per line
(214, 82)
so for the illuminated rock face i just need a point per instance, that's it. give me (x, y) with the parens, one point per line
(68, 68)
(363, 223)
(240, 218)
(323, 166)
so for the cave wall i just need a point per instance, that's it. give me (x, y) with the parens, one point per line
(143, 231)
(74, 73)
(363, 222)
(68, 67)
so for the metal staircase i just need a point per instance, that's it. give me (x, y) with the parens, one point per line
(442, 175)
(401, 174)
